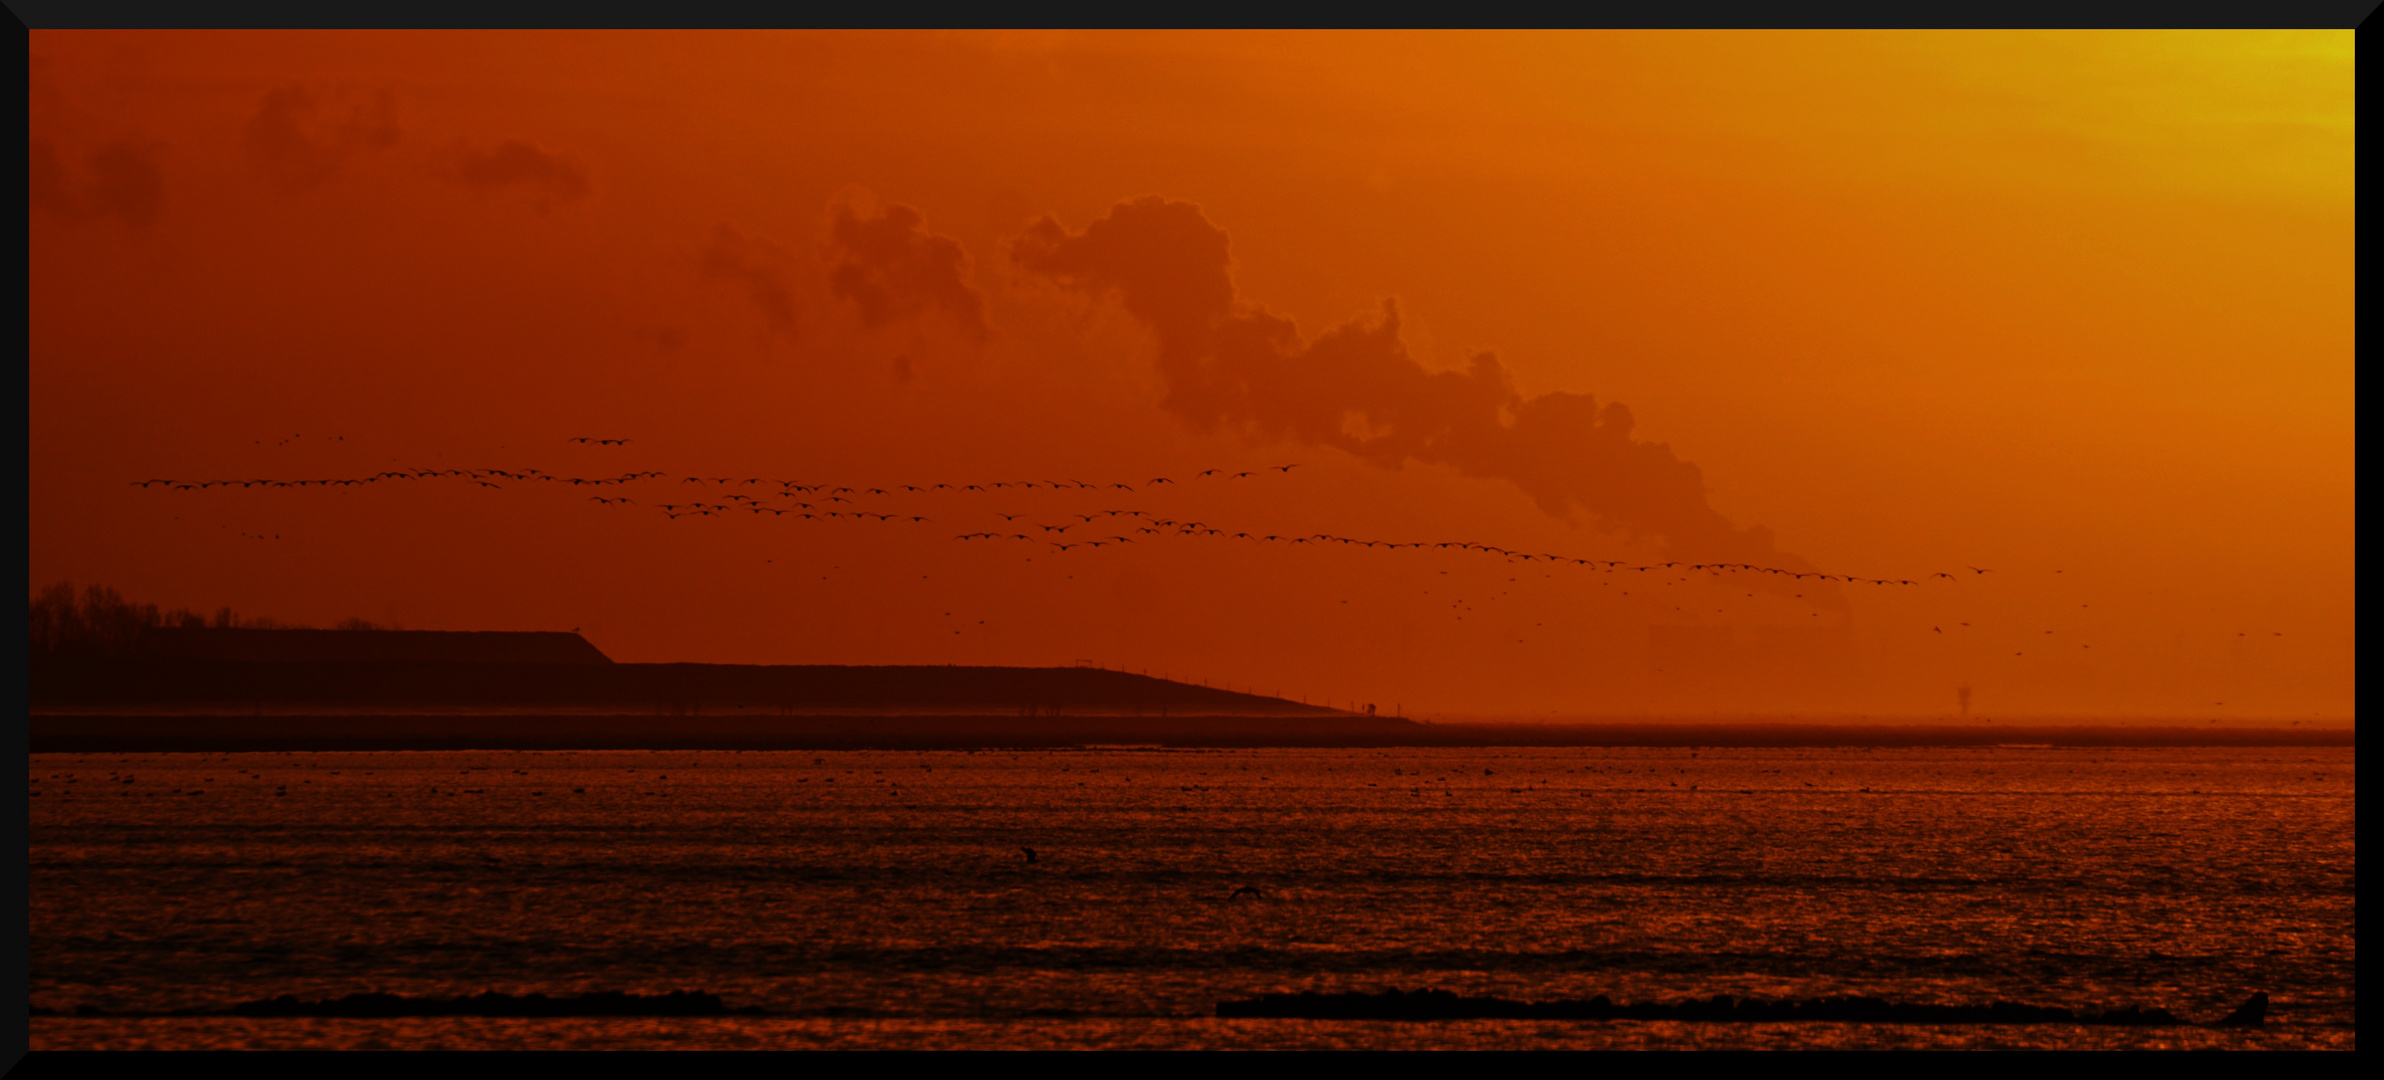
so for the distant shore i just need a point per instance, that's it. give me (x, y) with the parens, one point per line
(152, 732)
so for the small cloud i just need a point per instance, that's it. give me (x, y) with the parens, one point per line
(46, 186)
(892, 268)
(127, 181)
(756, 265)
(514, 164)
(299, 146)
(662, 339)
(122, 179)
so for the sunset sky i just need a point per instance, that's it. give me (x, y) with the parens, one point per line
(2072, 308)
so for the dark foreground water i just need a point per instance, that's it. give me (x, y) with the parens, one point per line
(875, 899)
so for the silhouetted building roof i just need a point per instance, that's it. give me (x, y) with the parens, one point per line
(377, 646)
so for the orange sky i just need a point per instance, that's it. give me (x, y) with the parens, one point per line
(2073, 307)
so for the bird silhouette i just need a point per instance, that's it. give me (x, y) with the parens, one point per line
(489, 478)
(1030, 853)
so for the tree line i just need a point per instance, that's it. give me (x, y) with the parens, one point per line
(96, 620)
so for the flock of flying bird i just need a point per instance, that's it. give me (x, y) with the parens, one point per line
(820, 501)
(794, 494)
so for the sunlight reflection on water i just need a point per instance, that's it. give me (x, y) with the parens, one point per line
(894, 886)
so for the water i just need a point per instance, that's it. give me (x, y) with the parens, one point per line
(884, 899)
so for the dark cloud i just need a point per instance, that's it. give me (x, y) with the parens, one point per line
(127, 181)
(549, 178)
(891, 267)
(1229, 364)
(662, 339)
(121, 179)
(300, 146)
(758, 267)
(46, 186)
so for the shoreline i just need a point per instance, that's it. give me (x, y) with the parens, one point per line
(200, 733)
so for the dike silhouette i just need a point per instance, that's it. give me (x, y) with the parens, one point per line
(240, 688)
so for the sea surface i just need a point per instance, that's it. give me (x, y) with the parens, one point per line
(885, 898)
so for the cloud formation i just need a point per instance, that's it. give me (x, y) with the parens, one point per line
(1230, 364)
(756, 266)
(892, 268)
(121, 179)
(299, 148)
(549, 178)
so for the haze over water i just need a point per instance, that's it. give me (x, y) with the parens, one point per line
(883, 898)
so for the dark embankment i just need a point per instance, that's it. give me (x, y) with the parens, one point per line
(207, 684)
(766, 731)
(1721, 1008)
(134, 734)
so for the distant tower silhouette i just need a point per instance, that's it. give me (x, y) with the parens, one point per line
(1962, 694)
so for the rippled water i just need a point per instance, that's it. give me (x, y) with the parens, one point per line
(884, 899)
